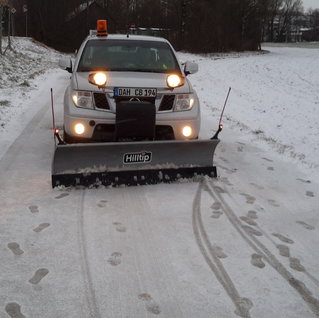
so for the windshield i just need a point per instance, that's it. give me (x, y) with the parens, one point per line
(128, 56)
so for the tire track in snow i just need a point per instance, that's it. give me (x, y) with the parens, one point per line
(243, 305)
(87, 277)
(142, 227)
(261, 249)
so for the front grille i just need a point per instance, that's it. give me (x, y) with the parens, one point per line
(129, 98)
(100, 101)
(167, 102)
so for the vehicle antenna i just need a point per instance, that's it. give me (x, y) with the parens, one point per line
(53, 117)
(220, 125)
(55, 130)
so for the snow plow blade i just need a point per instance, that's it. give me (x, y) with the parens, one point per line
(132, 163)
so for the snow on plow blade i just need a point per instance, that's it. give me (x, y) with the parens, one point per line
(132, 163)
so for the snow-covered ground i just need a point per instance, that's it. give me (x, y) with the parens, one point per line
(244, 244)
(274, 99)
(22, 70)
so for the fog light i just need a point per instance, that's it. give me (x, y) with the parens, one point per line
(79, 129)
(187, 131)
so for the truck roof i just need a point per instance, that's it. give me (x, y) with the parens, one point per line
(127, 37)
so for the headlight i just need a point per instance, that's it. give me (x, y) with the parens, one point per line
(184, 102)
(174, 80)
(82, 99)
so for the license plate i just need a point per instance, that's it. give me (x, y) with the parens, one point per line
(135, 92)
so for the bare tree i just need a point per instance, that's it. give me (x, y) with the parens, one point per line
(289, 10)
(273, 12)
(195, 25)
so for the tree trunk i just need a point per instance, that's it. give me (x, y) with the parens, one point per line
(1, 13)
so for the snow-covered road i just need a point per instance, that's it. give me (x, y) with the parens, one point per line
(243, 245)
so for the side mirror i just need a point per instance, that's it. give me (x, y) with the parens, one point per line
(190, 68)
(66, 64)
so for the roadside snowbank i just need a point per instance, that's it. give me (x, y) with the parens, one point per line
(20, 71)
(23, 71)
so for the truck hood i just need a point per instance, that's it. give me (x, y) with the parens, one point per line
(128, 79)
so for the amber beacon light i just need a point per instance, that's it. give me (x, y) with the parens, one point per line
(99, 79)
(101, 27)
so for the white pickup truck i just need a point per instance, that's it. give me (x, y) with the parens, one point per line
(129, 87)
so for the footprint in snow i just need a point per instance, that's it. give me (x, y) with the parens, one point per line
(15, 248)
(304, 181)
(266, 159)
(38, 276)
(219, 189)
(41, 227)
(257, 186)
(251, 230)
(257, 261)
(252, 214)
(249, 198)
(150, 305)
(245, 305)
(219, 252)
(216, 214)
(62, 195)
(33, 208)
(115, 259)
(102, 204)
(119, 227)
(224, 159)
(216, 205)
(248, 220)
(14, 310)
(230, 171)
(310, 194)
(226, 181)
(283, 238)
(305, 225)
(295, 264)
(283, 250)
(273, 203)
(271, 168)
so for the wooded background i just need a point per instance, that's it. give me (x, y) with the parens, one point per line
(192, 25)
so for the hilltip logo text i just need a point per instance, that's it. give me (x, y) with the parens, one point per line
(137, 157)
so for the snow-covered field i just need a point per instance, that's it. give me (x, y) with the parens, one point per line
(274, 99)
(243, 245)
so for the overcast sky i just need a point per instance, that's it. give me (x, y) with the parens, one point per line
(310, 3)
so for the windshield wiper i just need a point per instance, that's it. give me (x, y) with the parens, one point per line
(147, 70)
(123, 70)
